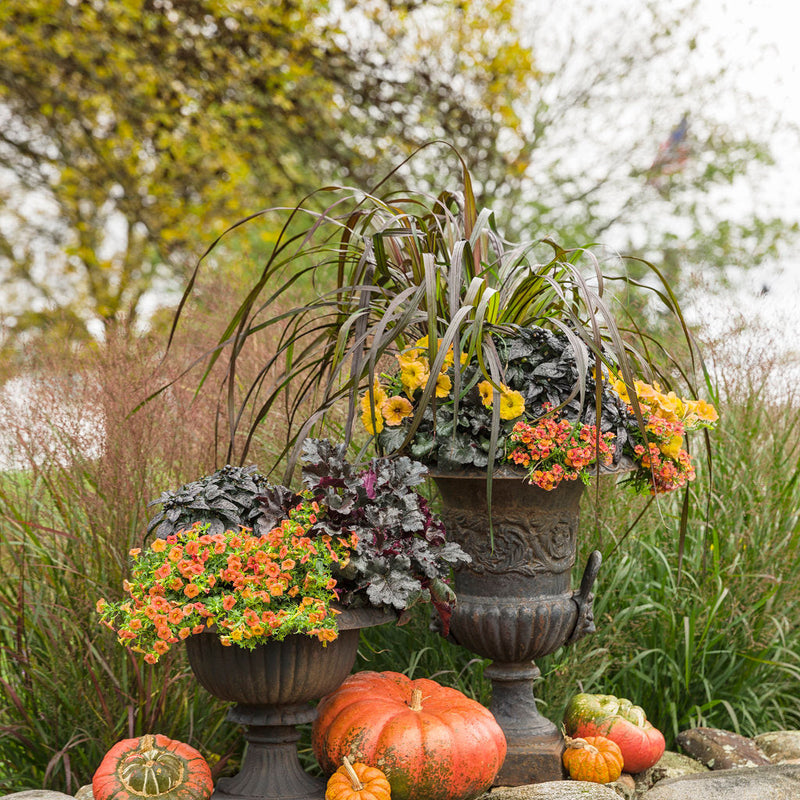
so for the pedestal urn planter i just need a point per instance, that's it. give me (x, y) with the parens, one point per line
(515, 603)
(272, 687)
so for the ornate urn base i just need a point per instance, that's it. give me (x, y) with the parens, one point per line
(515, 603)
(272, 687)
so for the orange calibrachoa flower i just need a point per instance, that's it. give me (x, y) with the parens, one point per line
(252, 589)
(663, 463)
(553, 450)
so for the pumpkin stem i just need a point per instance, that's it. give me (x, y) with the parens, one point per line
(351, 773)
(580, 744)
(416, 700)
(575, 743)
(147, 742)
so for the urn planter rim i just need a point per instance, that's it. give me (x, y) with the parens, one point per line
(364, 617)
(506, 472)
(348, 619)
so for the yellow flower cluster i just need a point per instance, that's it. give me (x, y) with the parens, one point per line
(380, 408)
(692, 414)
(512, 403)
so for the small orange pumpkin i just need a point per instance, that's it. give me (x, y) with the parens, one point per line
(594, 759)
(357, 782)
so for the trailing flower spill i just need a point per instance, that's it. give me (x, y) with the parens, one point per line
(664, 464)
(251, 588)
(551, 441)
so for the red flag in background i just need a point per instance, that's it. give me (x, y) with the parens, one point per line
(672, 154)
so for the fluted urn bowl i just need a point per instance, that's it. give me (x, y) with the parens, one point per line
(272, 687)
(515, 603)
(512, 629)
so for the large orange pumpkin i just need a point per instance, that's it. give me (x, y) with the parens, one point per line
(431, 741)
(152, 766)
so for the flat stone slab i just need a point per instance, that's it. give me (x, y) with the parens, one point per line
(720, 749)
(779, 745)
(38, 794)
(775, 782)
(554, 790)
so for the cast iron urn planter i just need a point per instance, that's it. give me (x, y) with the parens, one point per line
(272, 687)
(515, 603)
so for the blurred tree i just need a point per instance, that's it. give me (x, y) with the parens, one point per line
(132, 131)
(642, 136)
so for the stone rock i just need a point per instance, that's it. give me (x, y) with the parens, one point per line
(775, 782)
(670, 765)
(554, 790)
(779, 745)
(719, 749)
(85, 793)
(37, 794)
(624, 786)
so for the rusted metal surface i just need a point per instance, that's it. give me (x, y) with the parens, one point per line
(272, 687)
(515, 603)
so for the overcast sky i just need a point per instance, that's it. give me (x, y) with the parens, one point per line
(762, 35)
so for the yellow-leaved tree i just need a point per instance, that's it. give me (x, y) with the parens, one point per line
(134, 131)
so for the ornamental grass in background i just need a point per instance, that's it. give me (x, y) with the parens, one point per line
(80, 470)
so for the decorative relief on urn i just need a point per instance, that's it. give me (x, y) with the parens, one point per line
(519, 546)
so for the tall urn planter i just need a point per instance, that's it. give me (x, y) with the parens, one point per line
(515, 603)
(272, 687)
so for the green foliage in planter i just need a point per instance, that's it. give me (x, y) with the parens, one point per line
(538, 363)
(225, 500)
(388, 269)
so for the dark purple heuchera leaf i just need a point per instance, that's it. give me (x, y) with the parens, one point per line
(369, 480)
(401, 548)
(275, 504)
(395, 589)
(324, 461)
(226, 499)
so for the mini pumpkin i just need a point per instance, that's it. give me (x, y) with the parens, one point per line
(357, 782)
(152, 766)
(594, 759)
